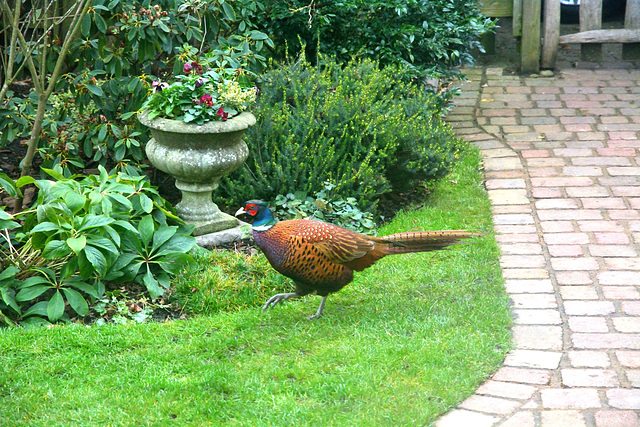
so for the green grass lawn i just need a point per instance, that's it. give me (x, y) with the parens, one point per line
(408, 339)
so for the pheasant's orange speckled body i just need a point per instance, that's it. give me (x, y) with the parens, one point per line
(322, 257)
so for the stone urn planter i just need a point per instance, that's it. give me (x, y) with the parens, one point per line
(198, 156)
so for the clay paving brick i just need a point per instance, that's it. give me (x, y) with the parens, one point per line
(525, 273)
(556, 203)
(612, 251)
(521, 249)
(613, 418)
(533, 359)
(611, 238)
(506, 389)
(629, 359)
(537, 317)
(537, 337)
(606, 341)
(543, 192)
(566, 239)
(576, 181)
(573, 377)
(574, 278)
(593, 191)
(623, 263)
(522, 375)
(579, 264)
(582, 171)
(603, 202)
(565, 251)
(557, 226)
(588, 324)
(570, 398)
(620, 292)
(624, 399)
(529, 286)
(610, 226)
(534, 301)
(578, 292)
(588, 308)
(631, 307)
(626, 324)
(589, 359)
(525, 261)
(566, 418)
(459, 417)
(569, 214)
(520, 419)
(491, 405)
(619, 277)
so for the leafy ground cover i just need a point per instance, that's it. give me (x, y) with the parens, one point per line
(408, 339)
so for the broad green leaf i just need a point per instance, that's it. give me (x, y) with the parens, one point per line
(74, 201)
(146, 203)
(86, 25)
(55, 307)
(163, 234)
(152, 285)
(77, 244)
(84, 287)
(54, 174)
(100, 24)
(94, 221)
(9, 298)
(8, 273)
(94, 89)
(174, 263)
(25, 180)
(38, 309)
(76, 301)
(34, 280)
(178, 243)
(56, 249)
(27, 294)
(146, 229)
(45, 226)
(103, 243)
(228, 12)
(9, 185)
(96, 258)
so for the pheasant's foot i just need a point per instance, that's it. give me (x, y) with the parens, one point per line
(277, 299)
(320, 310)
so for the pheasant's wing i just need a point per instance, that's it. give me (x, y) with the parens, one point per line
(337, 244)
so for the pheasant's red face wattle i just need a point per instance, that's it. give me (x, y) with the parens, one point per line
(251, 209)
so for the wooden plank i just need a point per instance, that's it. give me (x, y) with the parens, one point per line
(496, 8)
(631, 52)
(591, 19)
(602, 36)
(530, 55)
(551, 33)
(517, 18)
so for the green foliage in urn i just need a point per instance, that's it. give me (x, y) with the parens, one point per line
(202, 93)
(362, 128)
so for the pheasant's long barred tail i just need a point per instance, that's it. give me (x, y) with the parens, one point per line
(424, 241)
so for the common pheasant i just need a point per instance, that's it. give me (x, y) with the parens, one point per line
(322, 257)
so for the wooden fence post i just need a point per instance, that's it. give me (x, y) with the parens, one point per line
(631, 51)
(530, 55)
(551, 33)
(591, 19)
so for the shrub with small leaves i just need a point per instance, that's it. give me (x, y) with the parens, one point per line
(360, 127)
(325, 207)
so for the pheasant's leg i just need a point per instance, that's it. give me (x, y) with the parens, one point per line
(277, 299)
(320, 309)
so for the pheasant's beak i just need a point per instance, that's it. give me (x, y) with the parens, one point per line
(240, 212)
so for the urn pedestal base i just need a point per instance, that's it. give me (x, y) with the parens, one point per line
(197, 208)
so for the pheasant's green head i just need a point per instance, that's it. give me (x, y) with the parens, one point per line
(259, 214)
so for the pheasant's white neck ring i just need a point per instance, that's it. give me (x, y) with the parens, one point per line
(262, 227)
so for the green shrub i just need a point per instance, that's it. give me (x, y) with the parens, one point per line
(359, 127)
(434, 36)
(325, 207)
(80, 233)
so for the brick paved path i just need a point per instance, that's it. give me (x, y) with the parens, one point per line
(562, 160)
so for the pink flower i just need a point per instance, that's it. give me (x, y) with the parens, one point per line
(187, 68)
(206, 100)
(158, 86)
(224, 116)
